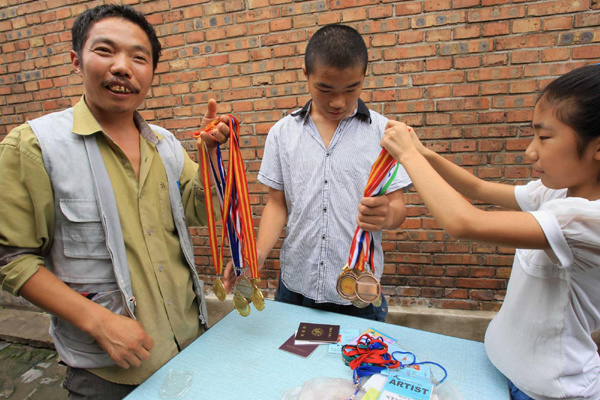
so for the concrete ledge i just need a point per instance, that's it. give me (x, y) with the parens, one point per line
(458, 323)
(25, 325)
(462, 324)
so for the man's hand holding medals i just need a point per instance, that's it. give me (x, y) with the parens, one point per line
(232, 190)
(357, 282)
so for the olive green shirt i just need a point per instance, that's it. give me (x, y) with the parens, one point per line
(160, 278)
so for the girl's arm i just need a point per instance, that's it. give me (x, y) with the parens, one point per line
(457, 216)
(463, 181)
(471, 186)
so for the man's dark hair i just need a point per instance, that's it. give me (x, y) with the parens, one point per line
(576, 99)
(338, 46)
(83, 24)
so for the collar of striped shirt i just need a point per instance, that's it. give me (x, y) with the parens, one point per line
(362, 112)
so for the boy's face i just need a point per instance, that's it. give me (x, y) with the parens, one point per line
(116, 67)
(334, 92)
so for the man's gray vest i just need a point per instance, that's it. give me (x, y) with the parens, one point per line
(88, 252)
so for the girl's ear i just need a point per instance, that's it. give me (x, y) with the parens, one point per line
(596, 146)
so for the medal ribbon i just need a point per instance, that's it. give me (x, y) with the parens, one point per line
(381, 176)
(234, 199)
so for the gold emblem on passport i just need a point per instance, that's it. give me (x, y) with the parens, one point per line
(241, 305)
(219, 289)
(317, 332)
(345, 285)
(368, 288)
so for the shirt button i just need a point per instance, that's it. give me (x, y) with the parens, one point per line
(321, 263)
(326, 181)
(325, 209)
(328, 154)
(160, 268)
(323, 237)
(149, 231)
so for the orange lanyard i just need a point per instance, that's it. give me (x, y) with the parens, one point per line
(236, 213)
(380, 177)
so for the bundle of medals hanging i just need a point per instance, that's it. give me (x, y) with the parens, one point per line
(357, 282)
(234, 201)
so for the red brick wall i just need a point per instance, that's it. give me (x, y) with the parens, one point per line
(464, 72)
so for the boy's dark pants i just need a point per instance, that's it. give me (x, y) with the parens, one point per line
(284, 295)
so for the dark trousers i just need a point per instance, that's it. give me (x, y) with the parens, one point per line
(284, 295)
(83, 385)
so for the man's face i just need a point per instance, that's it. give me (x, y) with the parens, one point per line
(116, 67)
(334, 92)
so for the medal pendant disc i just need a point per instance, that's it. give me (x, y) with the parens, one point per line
(241, 305)
(377, 303)
(359, 303)
(258, 299)
(368, 288)
(346, 285)
(219, 289)
(244, 287)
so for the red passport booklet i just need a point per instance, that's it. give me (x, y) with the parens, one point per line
(303, 350)
(317, 333)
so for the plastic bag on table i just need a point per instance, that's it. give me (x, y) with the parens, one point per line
(323, 389)
(446, 391)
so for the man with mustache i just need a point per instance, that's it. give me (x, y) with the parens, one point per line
(95, 204)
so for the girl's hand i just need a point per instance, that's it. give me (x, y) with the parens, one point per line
(400, 139)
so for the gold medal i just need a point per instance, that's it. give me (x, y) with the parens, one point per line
(219, 289)
(258, 299)
(244, 287)
(241, 305)
(345, 285)
(377, 303)
(368, 288)
(359, 303)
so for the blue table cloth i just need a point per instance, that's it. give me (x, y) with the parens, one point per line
(239, 358)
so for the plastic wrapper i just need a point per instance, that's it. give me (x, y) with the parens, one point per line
(446, 391)
(176, 385)
(323, 389)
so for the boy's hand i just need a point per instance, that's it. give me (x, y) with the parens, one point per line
(372, 213)
(221, 132)
(400, 139)
(124, 339)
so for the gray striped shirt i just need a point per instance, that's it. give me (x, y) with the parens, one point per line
(323, 187)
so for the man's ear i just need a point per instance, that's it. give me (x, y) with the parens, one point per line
(304, 70)
(76, 62)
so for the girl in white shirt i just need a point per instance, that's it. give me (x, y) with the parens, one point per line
(541, 337)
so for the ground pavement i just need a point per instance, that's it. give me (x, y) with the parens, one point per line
(29, 373)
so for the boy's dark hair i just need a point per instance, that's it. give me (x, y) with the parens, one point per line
(83, 24)
(338, 46)
(576, 98)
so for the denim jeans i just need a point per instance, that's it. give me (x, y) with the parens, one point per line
(516, 393)
(83, 385)
(284, 295)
